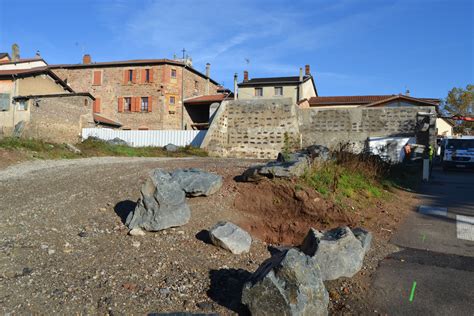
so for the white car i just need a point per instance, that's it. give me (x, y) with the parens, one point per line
(458, 152)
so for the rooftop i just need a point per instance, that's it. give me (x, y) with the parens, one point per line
(21, 73)
(359, 100)
(273, 80)
(208, 98)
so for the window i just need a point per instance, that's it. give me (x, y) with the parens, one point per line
(278, 91)
(196, 84)
(147, 75)
(173, 73)
(172, 100)
(144, 106)
(259, 92)
(22, 105)
(4, 101)
(127, 106)
(130, 75)
(97, 78)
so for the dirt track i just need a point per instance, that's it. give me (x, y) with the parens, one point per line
(64, 249)
(47, 267)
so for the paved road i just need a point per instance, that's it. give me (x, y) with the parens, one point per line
(437, 253)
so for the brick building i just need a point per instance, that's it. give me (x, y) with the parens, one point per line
(139, 94)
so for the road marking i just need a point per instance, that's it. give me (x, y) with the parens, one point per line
(431, 210)
(465, 227)
(412, 293)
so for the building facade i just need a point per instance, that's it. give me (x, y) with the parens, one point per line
(139, 94)
(297, 87)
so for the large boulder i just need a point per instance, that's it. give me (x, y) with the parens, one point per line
(162, 204)
(117, 141)
(286, 284)
(318, 152)
(230, 237)
(171, 148)
(196, 182)
(337, 252)
(286, 166)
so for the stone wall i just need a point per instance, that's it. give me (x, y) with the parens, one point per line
(164, 115)
(256, 129)
(252, 128)
(59, 119)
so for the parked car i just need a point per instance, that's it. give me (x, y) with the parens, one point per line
(457, 152)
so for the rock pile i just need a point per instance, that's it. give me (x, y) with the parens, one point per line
(163, 198)
(291, 281)
(287, 165)
(231, 237)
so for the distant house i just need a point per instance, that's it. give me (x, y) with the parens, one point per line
(444, 127)
(394, 100)
(4, 57)
(297, 87)
(139, 94)
(199, 108)
(37, 101)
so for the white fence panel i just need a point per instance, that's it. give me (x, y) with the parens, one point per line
(153, 138)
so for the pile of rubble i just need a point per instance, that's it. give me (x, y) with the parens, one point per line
(291, 281)
(288, 165)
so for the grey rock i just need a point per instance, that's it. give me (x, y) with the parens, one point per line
(171, 147)
(18, 130)
(286, 284)
(285, 169)
(230, 237)
(364, 237)
(117, 141)
(337, 252)
(196, 182)
(318, 152)
(137, 231)
(162, 204)
(73, 148)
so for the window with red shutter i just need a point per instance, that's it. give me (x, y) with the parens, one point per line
(96, 106)
(150, 104)
(120, 104)
(97, 78)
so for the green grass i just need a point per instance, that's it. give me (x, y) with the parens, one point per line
(340, 182)
(91, 148)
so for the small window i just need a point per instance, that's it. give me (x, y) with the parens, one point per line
(127, 106)
(173, 73)
(4, 101)
(196, 84)
(172, 100)
(130, 75)
(22, 105)
(144, 107)
(259, 92)
(147, 75)
(278, 91)
(86, 103)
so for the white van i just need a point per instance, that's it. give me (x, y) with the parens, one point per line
(458, 152)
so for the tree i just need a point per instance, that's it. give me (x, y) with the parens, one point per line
(461, 102)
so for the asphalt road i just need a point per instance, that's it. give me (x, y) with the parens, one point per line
(437, 252)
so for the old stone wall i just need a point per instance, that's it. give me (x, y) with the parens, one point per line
(59, 119)
(257, 128)
(164, 90)
(252, 128)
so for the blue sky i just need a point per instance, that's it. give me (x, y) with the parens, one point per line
(354, 47)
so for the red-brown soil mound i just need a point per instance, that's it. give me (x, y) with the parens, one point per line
(281, 213)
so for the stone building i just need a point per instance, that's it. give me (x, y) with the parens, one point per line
(38, 103)
(139, 94)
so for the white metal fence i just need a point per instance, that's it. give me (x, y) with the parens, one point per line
(155, 138)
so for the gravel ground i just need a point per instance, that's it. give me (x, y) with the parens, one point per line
(64, 248)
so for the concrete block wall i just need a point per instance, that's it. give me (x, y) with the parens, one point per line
(257, 128)
(252, 128)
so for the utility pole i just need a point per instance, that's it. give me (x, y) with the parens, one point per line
(182, 89)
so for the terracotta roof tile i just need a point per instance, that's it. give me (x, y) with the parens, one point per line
(208, 98)
(107, 121)
(357, 100)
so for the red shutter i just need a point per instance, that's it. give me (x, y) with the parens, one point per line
(143, 76)
(125, 76)
(96, 106)
(134, 76)
(150, 104)
(97, 80)
(151, 75)
(135, 105)
(120, 104)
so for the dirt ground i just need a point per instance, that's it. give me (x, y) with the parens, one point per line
(64, 248)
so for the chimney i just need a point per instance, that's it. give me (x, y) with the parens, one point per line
(407, 92)
(208, 68)
(246, 76)
(235, 86)
(15, 52)
(301, 74)
(307, 70)
(86, 59)
(38, 55)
